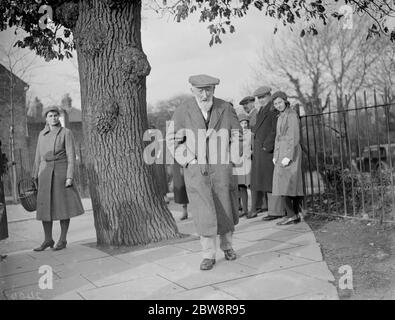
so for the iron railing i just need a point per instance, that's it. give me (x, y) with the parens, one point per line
(348, 157)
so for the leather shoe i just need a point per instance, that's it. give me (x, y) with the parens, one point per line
(261, 210)
(60, 245)
(243, 214)
(45, 245)
(252, 215)
(287, 221)
(270, 218)
(207, 264)
(230, 254)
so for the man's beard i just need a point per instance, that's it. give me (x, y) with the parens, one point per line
(205, 105)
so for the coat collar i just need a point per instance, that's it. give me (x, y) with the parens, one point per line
(216, 111)
(262, 114)
(56, 129)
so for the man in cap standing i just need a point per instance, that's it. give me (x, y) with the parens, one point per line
(248, 105)
(211, 188)
(262, 166)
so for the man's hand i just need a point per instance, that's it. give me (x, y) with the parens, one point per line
(285, 162)
(69, 182)
(274, 161)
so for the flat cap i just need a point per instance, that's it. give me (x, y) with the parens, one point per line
(261, 91)
(243, 117)
(203, 80)
(279, 94)
(246, 100)
(49, 109)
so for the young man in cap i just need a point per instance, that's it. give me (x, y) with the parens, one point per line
(263, 147)
(211, 188)
(248, 104)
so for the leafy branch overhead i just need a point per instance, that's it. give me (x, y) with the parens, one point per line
(57, 41)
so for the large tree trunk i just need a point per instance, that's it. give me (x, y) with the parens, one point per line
(128, 208)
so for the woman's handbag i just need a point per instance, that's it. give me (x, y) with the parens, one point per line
(27, 193)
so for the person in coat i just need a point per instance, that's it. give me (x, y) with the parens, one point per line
(262, 166)
(248, 104)
(160, 170)
(244, 179)
(180, 192)
(57, 197)
(211, 187)
(287, 159)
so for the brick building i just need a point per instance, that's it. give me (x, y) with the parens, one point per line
(12, 96)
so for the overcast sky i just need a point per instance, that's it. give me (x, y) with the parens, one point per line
(175, 51)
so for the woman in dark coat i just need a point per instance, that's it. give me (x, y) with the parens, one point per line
(287, 159)
(57, 198)
(180, 192)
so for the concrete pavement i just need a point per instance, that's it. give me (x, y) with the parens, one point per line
(274, 262)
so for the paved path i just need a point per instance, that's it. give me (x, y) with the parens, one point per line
(273, 263)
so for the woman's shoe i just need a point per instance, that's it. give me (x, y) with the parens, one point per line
(242, 214)
(45, 245)
(60, 245)
(287, 221)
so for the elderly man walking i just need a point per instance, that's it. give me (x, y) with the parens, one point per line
(263, 147)
(211, 188)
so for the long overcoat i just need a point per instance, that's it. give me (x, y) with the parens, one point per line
(54, 163)
(211, 187)
(287, 181)
(179, 189)
(262, 158)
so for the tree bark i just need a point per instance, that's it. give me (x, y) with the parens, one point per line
(128, 208)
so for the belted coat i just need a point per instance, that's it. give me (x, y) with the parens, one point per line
(210, 185)
(54, 163)
(287, 181)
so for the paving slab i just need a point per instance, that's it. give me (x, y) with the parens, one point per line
(60, 287)
(152, 254)
(95, 267)
(205, 293)
(133, 272)
(22, 262)
(318, 270)
(154, 287)
(274, 285)
(247, 248)
(274, 262)
(311, 252)
(300, 227)
(78, 253)
(21, 280)
(267, 233)
(187, 273)
(329, 294)
(271, 261)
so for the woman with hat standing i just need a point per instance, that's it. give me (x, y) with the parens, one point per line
(287, 159)
(57, 198)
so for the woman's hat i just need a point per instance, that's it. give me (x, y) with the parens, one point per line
(279, 94)
(243, 117)
(50, 109)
